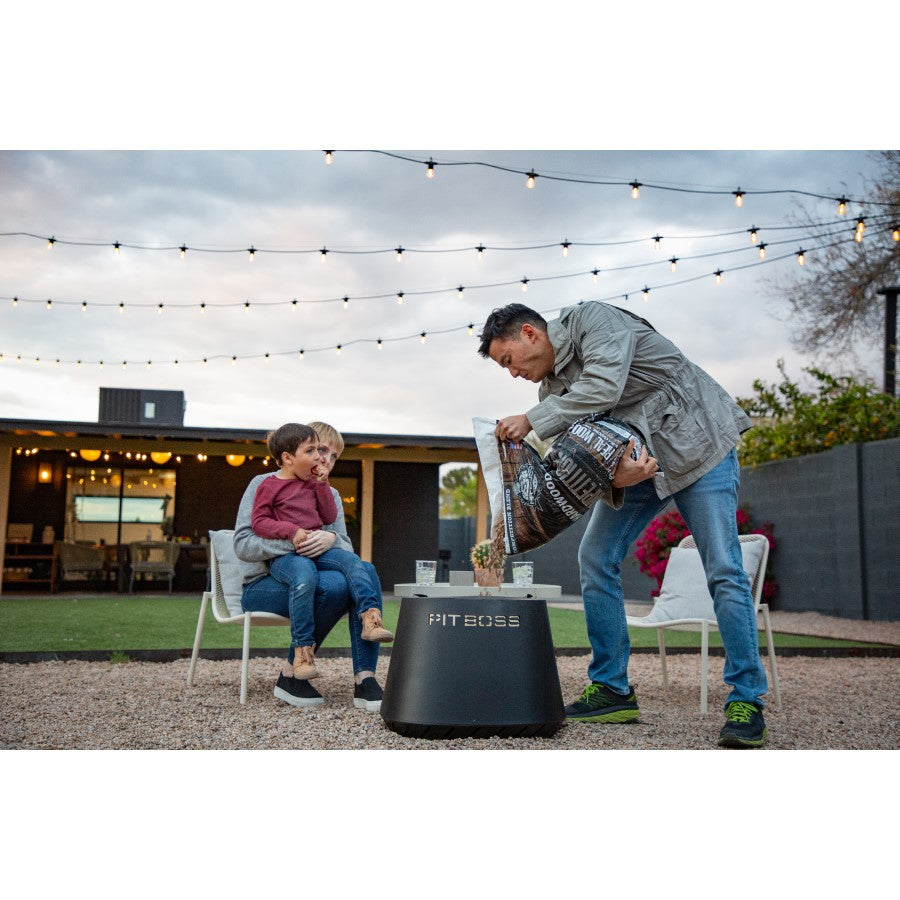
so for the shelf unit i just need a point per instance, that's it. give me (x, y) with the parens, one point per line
(30, 566)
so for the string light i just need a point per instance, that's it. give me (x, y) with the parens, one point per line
(565, 248)
(329, 156)
(429, 172)
(50, 243)
(183, 250)
(83, 306)
(860, 229)
(762, 251)
(635, 190)
(116, 246)
(471, 328)
(531, 178)
(460, 290)
(895, 234)
(247, 306)
(324, 253)
(842, 206)
(657, 241)
(203, 307)
(646, 293)
(738, 197)
(674, 262)
(15, 302)
(49, 304)
(422, 338)
(338, 349)
(718, 274)
(159, 309)
(525, 285)
(399, 254)
(801, 258)
(121, 309)
(400, 298)
(252, 251)
(595, 273)
(480, 251)
(380, 344)
(754, 236)
(346, 302)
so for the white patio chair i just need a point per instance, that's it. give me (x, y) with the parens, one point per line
(684, 603)
(224, 595)
(153, 559)
(80, 560)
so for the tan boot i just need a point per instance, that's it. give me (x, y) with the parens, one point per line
(305, 664)
(372, 627)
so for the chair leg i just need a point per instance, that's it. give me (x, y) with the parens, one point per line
(770, 647)
(661, 640)
(704, 666)
(245, 665)
(196, 651)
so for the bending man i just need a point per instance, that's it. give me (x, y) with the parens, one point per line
(598, 358)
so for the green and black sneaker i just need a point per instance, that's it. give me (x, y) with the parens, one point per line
(598, 703)
(744, 726)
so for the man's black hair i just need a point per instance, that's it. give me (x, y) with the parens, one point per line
(506, 322)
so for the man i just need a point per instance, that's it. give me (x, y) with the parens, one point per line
(598, 358)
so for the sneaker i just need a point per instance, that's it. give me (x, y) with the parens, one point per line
(367, 695)
(297, 692)
(744, 726)
(372, 627)
(598, 703)
(305, 664)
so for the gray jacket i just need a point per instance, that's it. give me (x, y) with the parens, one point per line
(253, 551)
(609, 360)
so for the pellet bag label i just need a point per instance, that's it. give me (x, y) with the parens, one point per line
(538, 498)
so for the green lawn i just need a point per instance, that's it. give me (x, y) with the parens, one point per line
(149, 622)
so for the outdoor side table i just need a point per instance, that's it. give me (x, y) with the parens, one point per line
(473, 667)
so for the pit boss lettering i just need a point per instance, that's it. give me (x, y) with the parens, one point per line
(471, 620)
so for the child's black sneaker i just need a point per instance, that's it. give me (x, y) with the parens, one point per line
(297, 692)
(744, 726)
(367, 695)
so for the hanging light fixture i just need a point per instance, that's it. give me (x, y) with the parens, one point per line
(89, 455)
(429, 172)
(674, 262)
(754, 236)
(842, 206)
(329, 156)
(635, 190)
(235, 459)
(160, 457)
(762, 251)
(738, 197)
(530, 182)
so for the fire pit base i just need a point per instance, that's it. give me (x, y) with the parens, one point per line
(473, 667)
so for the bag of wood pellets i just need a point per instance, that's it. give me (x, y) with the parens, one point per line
(534, 498)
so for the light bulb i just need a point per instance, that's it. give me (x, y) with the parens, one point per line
(842, 206)
(121, 308)
(595, 273)
(49, 304)
(635, 190)
(400, 298)
(480, 250)
(895, 234)
(429, 172)
(657, 241)
(116, 246)
(718, 276)
(380, 345)
(329, 156)
(50, 243)
(247, 306)
(565, 248)
(801, 258)
(183, 250)
(399, 254)
(460, 290)
(159, 309)
(754, 237)
(203, 307)
(524, 285)
(762, 251)
(83, 306)
(324, 253)
(338, 349)
(738, 197)
(674, 261)
(422, 338)
(252, 252)
(530, 182)
(346, 302)
(646, 294)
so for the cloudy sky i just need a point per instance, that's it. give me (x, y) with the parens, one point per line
(360, 208)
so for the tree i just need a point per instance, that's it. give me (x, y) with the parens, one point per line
(791, 422)
(834, 299)
(459, 488)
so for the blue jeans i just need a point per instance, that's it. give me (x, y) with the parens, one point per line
(709, 507)
(331, 601)
(362, 592)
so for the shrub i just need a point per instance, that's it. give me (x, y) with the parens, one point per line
(667, 531)
(790, 422)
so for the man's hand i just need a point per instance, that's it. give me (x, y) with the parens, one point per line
(513, 428)
(630, 471)
(316, 543)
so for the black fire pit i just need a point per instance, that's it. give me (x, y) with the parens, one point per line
(473, 667)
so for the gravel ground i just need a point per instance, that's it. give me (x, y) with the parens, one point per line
(829, 703)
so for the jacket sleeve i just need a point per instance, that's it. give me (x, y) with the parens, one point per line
(249, 546)
(606, 348)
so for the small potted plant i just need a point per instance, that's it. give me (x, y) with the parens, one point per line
(488, 568)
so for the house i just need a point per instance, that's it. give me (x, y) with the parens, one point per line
(139, 473)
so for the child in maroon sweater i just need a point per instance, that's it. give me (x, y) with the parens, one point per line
(290, 503)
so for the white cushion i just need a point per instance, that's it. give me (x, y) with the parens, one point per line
(684, 594)
(230, 575)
